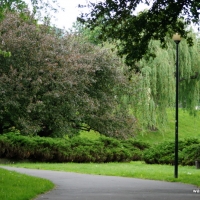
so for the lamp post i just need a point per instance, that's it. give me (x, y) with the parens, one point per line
(177, 39)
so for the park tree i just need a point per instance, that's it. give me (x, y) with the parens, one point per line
(91, 36)
(54, 84)
(11, 6)
(42, 10)
(144, 41)
(131, 32)
(155, 89)
(21, 7)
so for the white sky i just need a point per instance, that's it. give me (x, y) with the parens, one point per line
(65, 19)
(71, 12)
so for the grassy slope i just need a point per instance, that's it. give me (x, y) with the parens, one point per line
(189, 126)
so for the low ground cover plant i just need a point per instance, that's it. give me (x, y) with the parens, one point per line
(163, 153)
(103, 149)
(76, 149)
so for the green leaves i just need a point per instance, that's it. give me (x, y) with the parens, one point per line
(52, 85)
(118, 21)
(76, 149)
(163, 153)
(5, 53)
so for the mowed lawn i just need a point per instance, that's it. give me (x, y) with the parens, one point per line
(187, 174)
(16, 186)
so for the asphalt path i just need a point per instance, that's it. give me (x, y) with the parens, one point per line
(74, 186)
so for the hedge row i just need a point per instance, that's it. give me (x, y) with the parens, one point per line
(104, 149)
(76, 149)
(163, 153)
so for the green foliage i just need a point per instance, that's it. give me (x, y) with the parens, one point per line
(52, 85)
(90, 35)
(188, 128)
(98, 149)
(139, 42)
(11, 6)
(190, 154)
(132, 32)
(5, 53)
(76, 149)
(154, 90)
(163, 153)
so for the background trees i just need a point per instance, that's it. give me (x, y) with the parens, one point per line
(132, 32)
(58, 84)
(156, 81)
(144, 41)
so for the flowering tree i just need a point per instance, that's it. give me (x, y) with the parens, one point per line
(53, 84)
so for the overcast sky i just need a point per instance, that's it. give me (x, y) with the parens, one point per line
(71, 12)
(65, 19)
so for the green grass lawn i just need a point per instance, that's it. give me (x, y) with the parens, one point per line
(189, 126)
(16, 186)
(187, 174)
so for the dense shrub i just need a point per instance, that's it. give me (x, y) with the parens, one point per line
(103, 149)
(163, 153)
(76, 149)
(190, 154)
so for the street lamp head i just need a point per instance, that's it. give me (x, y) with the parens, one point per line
(177, 38)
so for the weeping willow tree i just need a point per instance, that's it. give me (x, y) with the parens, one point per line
(154, 82)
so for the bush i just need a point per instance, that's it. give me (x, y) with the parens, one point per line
(76, 149)
(190, 154)
(163, 153)
(104, 149)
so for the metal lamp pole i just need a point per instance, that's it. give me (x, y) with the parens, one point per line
(177, 39)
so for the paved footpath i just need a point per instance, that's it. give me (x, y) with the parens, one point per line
(74, 186)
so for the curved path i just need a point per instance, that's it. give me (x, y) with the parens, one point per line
(74, 186)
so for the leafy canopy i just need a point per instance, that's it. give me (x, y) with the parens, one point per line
(155, 91)
(53, 85)
(133, 32)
